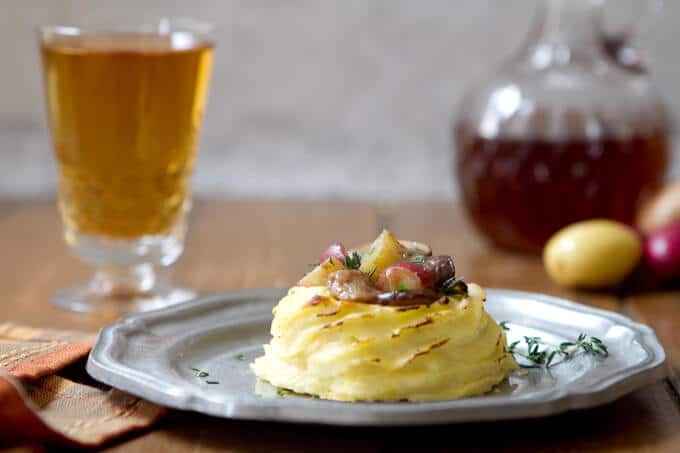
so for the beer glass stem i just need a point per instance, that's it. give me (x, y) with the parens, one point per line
(121, 289)
(124, 281)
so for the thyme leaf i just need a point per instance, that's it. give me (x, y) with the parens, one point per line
(282, 393)
(200, 373)
(454, 287)
(370, 274)
(353, 261)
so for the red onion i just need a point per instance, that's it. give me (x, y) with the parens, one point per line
(662, 251)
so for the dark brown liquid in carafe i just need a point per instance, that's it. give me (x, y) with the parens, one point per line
(518, 192)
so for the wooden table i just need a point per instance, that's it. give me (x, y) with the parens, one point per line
(248, 244)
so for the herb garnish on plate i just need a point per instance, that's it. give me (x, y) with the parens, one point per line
(200, 373)
(282, 393)
(545, 358)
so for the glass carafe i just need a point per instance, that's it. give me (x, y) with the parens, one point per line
(564, 131)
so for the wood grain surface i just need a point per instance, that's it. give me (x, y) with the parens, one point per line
(248, 244)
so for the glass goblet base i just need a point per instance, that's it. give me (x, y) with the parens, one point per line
(83, 299)
(131, 275)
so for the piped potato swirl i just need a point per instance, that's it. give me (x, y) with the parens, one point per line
(353, 351)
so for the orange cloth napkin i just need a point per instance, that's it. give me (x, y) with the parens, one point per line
(41, 403)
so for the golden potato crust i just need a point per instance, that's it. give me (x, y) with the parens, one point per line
(352, 351)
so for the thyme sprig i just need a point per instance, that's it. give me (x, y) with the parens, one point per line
(594, 346)
(370, 274)
(282, 393)
(454, 287)
(200, 373)
(564, 351)
(353, 261)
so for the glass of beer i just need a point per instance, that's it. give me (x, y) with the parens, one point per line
(125, 108)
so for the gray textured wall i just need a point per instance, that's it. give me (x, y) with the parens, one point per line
(346, 94)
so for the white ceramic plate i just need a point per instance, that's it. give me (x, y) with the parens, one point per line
(152, 355)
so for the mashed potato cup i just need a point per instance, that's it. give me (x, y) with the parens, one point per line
(408, 332)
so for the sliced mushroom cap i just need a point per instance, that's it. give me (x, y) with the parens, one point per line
(352, 284)
(411, 297)
(414, 248)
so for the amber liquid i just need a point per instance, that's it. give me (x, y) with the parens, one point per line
(519, 192)
(125, 112)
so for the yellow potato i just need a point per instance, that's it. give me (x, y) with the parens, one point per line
(592, 254)
(319, 275)
(385, 251)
